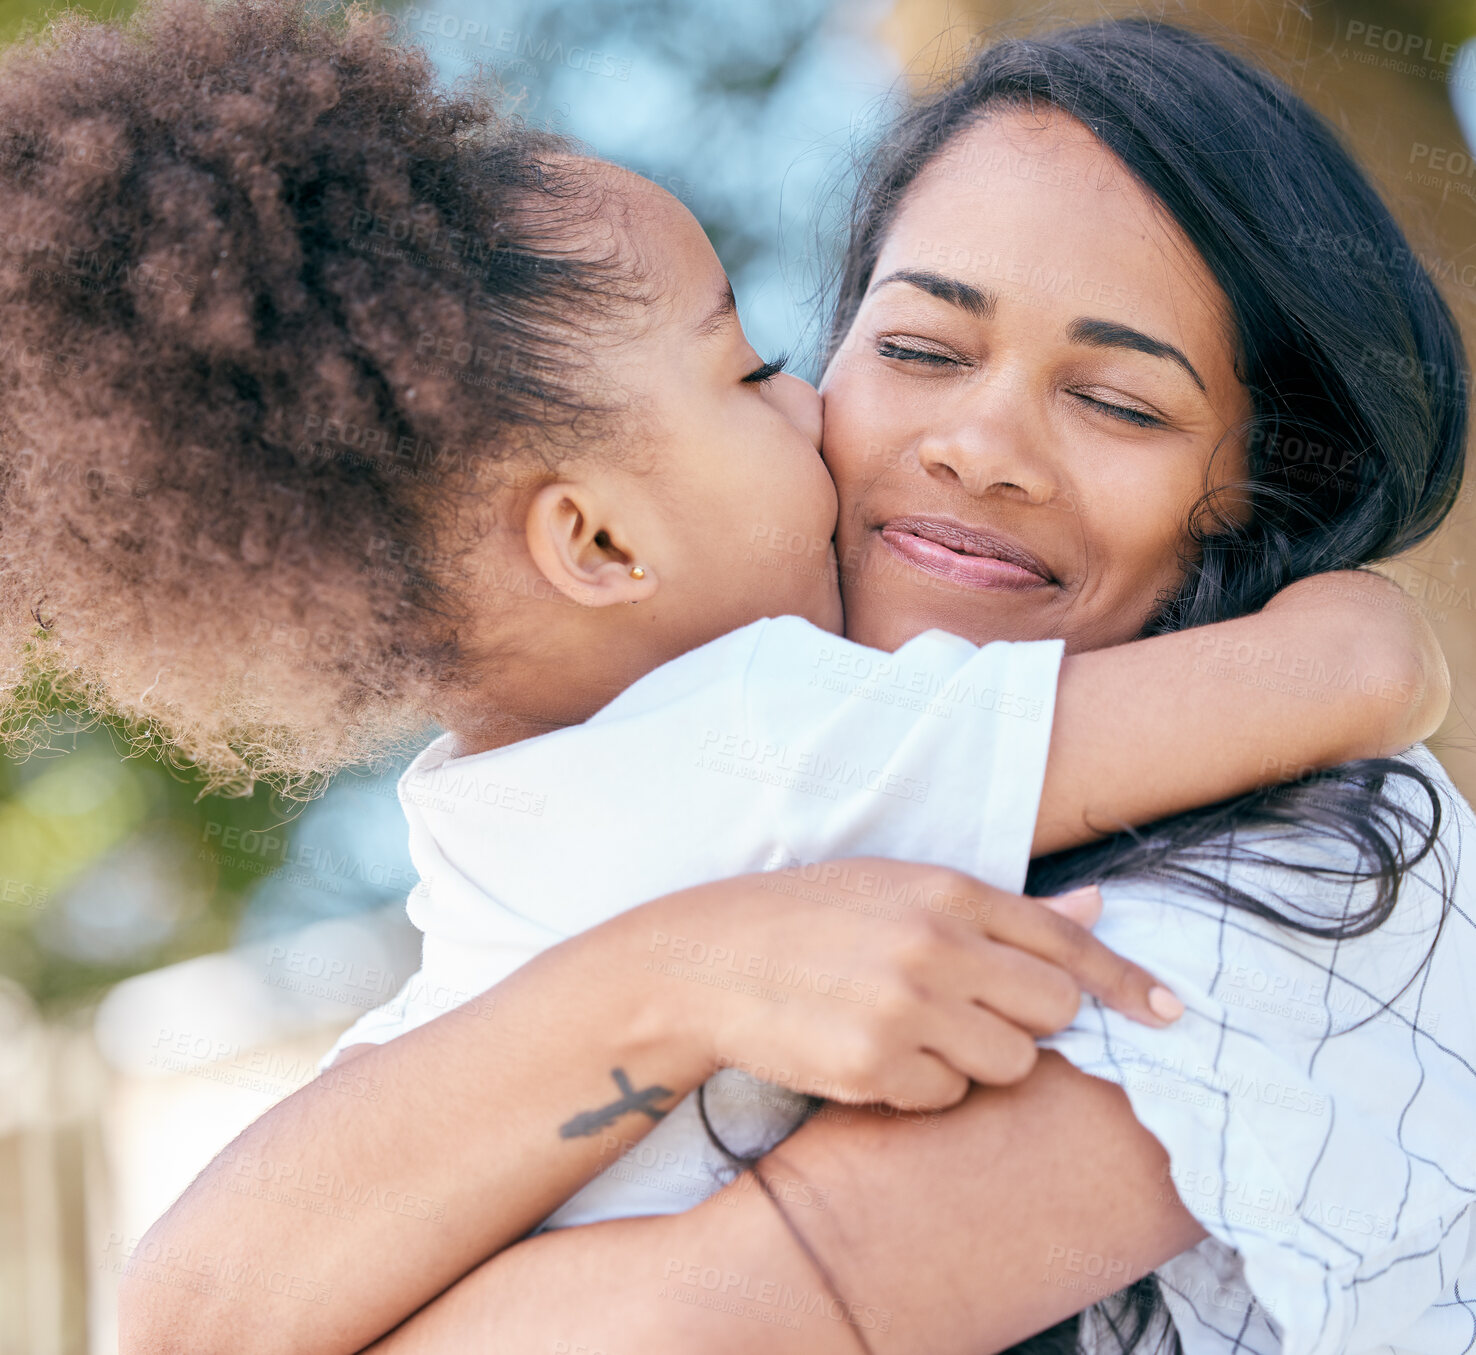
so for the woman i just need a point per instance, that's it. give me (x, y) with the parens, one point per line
(1135, 190)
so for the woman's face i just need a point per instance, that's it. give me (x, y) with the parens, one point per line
(1038, 385)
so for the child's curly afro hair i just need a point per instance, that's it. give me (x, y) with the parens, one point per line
(270, 301)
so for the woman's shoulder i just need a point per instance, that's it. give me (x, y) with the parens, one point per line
(1458, 820)
(1302, 929)
(1334, 860)
(1315, 1100)
(1437, 806)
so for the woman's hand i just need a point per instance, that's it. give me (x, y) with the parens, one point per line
(870, 980)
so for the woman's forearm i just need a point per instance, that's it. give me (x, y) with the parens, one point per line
(641, 1286)
(334, 1215)
(921, 1235)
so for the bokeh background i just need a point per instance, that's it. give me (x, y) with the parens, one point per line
(171, 965)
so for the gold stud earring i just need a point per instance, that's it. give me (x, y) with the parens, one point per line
(636, 572)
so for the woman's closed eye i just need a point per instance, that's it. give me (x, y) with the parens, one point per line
(922, 354)
(1137, 415)
(916, 353)
(761, 376)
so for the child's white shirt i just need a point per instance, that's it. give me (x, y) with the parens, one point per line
(776, 745)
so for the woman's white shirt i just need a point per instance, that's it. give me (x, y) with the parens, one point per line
(1317, 1102)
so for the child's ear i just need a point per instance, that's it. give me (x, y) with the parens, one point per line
(579, 552)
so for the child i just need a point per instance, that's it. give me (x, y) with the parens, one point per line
(469, 424)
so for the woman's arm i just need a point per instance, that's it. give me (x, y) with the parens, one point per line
(964, 1232)
(1335, 667)
(297, 1236)
(334, 1216)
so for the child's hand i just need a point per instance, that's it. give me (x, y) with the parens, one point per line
(872, 980)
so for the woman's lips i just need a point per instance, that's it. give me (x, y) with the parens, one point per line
(964, 555)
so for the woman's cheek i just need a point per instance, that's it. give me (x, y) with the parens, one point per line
(859, 429)
(1132, 534)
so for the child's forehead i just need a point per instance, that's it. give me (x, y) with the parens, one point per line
(656, 233)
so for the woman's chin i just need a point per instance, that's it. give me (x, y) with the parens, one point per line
(888, 614)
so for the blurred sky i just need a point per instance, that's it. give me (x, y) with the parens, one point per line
(748, 113)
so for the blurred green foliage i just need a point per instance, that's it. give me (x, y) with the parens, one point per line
(21, 17)
(69, 813)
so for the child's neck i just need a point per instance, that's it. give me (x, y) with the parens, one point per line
(559, 685)
(498, 729)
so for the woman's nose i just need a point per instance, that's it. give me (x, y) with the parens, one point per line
(800, 403)
(987, 451)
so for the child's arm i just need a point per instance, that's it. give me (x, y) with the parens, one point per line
(1335, 667)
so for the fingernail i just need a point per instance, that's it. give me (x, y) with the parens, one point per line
(1164, 1004)
(1082, 905)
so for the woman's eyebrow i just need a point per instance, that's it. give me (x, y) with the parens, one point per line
(1110, 334)
(1097, 333)
(718, 316)
(956, 292)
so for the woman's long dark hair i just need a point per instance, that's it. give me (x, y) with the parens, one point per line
(1357, 378)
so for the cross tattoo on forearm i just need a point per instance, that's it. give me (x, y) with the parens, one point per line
(592, 1121)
